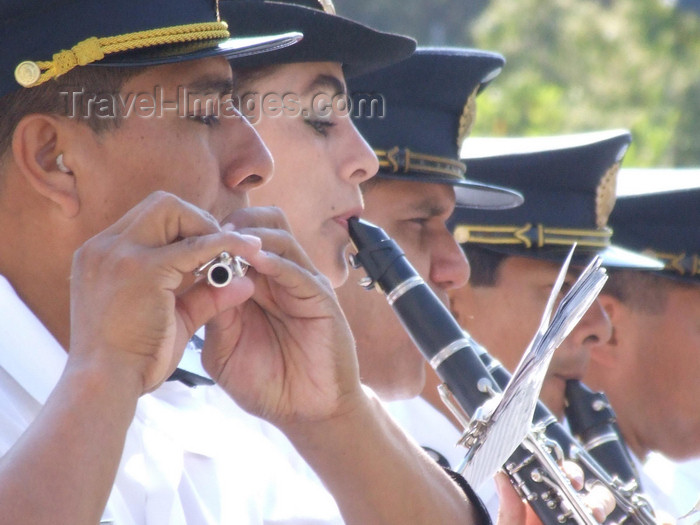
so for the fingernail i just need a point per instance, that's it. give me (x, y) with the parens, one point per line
(228, 227)
(252, 239)
(501, 481)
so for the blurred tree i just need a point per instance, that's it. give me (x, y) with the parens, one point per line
(572, 65)
(579, 65)
(431, 22)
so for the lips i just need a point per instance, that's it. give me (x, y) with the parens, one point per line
(343, 218)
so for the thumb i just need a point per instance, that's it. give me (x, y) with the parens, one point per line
(511, 508)
(201, 303)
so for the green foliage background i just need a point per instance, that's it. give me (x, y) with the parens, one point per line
(572, 65)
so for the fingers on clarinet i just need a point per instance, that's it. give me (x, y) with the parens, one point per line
(511, 508)
(574, 473)
(601, 502)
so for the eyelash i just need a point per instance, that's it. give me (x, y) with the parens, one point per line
(421, 222)
(320, 126)
(207, 120)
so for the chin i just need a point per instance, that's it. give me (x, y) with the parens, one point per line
(339, 271)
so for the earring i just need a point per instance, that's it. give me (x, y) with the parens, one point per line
(61, 166)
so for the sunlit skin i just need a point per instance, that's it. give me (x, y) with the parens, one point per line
(320, 161)
(414, 215)
(505, 317)
(650, 370)
(208, 161)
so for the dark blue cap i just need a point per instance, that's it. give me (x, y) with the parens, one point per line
(43, 39)
(665, 225)
(569, 184)
(415, 114)
(327, 36)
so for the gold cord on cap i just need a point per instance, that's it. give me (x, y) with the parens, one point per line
(680, 263)
(327, 6)
(404, 160)
(30, 73)
(529, 235)
(606, 195)
(466, 120)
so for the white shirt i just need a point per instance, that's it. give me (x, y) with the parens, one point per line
(679, 482)
(182, 462)
(431, 429)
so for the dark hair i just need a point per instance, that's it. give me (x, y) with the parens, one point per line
(47, 98)
(485, 264)
(641, 291)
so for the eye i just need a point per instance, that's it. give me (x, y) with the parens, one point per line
(207, 120)
(320, 126)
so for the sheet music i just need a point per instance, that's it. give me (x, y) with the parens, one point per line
(508, 418)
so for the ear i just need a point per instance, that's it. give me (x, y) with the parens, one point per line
(36, 143)
(607, 353)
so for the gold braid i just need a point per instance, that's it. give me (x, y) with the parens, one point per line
(94, 49)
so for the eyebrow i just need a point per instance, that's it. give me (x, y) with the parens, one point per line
(430, 207)
(327, 81)
(212, 84)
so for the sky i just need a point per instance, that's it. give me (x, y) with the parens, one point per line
(632, 181)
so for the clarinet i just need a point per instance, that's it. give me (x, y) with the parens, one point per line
(534, 468)
(631, 507)
(471, 376)
(593, 422)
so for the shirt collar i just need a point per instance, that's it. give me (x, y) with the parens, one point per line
(30, 354)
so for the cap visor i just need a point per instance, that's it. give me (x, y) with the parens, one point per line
(487, 197)
(229, 48)
(616, 257)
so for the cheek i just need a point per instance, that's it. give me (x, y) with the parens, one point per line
(419, 258)
(294, 182)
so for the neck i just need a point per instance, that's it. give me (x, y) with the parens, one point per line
(37, 263)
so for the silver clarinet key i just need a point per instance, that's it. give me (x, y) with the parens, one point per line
(221, 270)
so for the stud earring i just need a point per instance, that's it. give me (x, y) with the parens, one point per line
(60, 164)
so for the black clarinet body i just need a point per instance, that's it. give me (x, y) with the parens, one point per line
(593, 422)
(473, 377)
(593, 444)
(445, 346)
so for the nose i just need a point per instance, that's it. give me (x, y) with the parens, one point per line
(449, 267)
(594, 328)
(359, 162)
(248, 162)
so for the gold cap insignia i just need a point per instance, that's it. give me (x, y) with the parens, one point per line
(327, 6)
(27, 73)
(466, 120)
(606, 195)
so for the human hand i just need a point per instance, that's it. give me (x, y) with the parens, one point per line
(288, 354)
(513, 510)
(130, 317)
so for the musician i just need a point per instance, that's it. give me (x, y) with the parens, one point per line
(429, 110)
(105, 209)
(649, 368)
(569, 187)
(321, 148)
